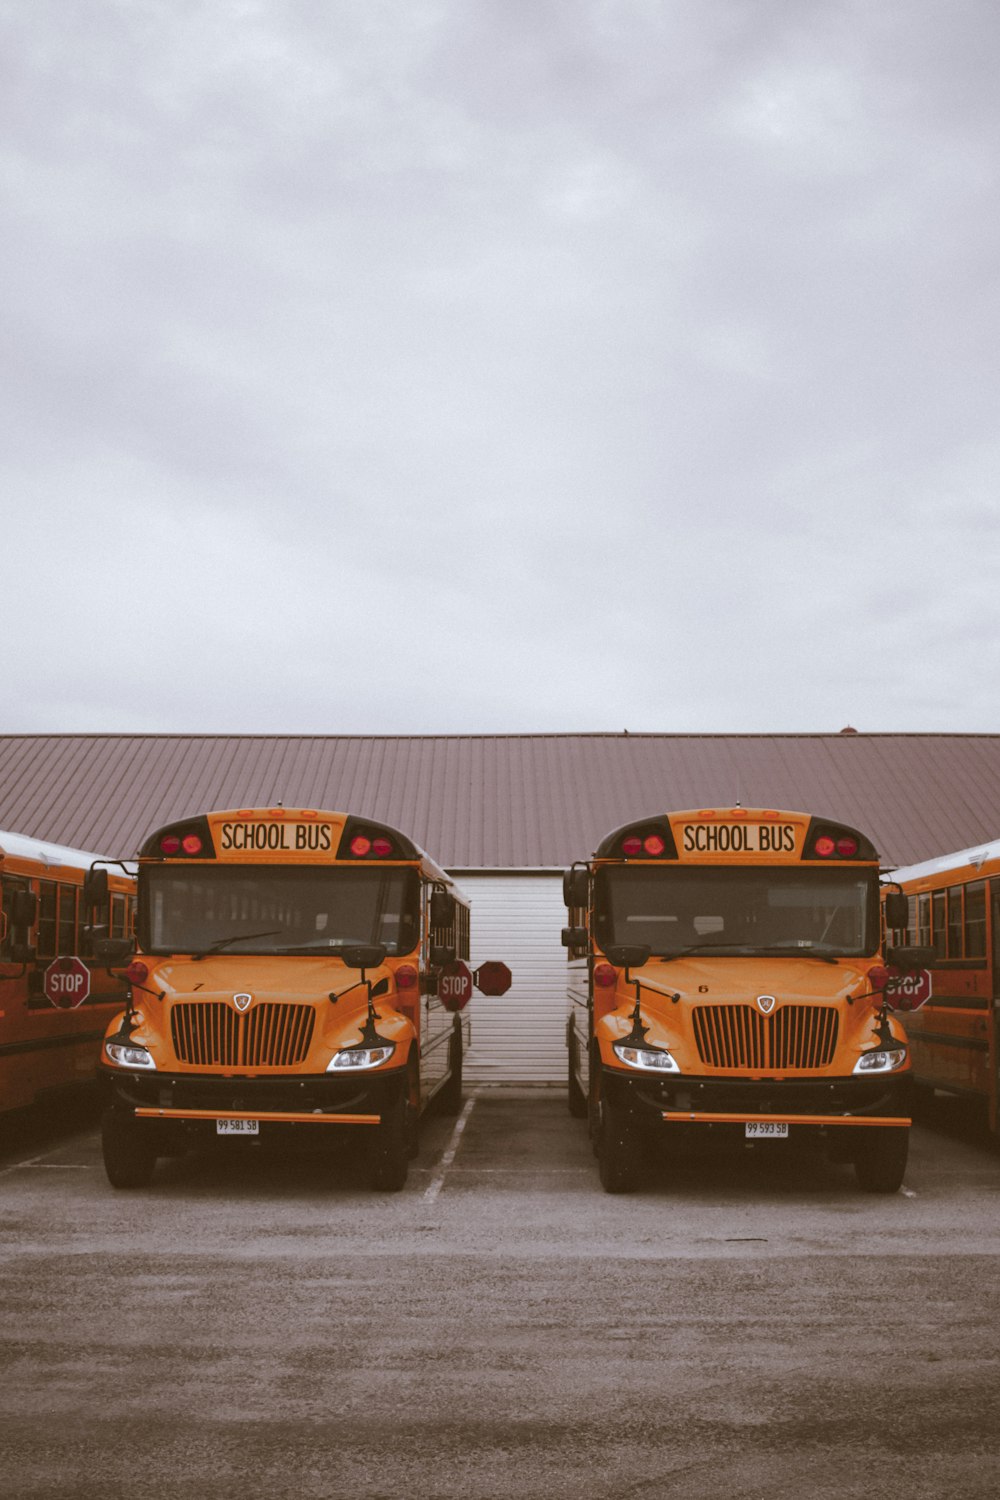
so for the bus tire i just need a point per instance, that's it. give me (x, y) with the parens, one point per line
(619, 1149)
(450, 1097)
(881, 1160)
(594, 1100)
(577, 1098)
(129, 1157)
(389, 1146)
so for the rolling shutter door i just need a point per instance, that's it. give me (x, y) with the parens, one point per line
(519, 1037)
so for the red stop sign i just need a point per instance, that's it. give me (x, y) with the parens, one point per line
(908, 989)
(66, 983)
(493, 978)
(455, 986)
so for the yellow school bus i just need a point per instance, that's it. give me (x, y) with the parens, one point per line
(55, 1000)
(954, 917)
(726, 975)
(293, 969)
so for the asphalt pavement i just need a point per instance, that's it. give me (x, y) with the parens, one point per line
(748, 1325)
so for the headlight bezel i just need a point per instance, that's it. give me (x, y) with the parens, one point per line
(882, 1060)
(362, 1059)
(646, 1059)
(141, 1059)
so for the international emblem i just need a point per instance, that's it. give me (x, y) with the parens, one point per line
(243, 1002)
(765, 1004)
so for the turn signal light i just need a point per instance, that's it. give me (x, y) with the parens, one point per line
(136, 973)
(632, 845)
(847, 848)
(824, 846)
(605, 975)
(191, 843)
(170, 844)
(878, 977)
(360, 846)
(406, 977)
(381, 847)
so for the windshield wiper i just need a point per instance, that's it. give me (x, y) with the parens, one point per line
(247, 937)
(821, 952)
(739, 949)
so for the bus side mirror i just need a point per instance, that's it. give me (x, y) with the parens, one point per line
(911, 957)
(364, 956)
(574, 937)
(113, 951)
(95, 888)
(442, 909)
(627, 955)
(576, 886)
(897, 910)
(23, 911)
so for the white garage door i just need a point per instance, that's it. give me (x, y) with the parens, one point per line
(518, 1037)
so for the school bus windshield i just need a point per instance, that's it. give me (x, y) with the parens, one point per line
(275, 909)
(771, 911)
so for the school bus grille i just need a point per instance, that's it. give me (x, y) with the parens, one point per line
(738, 1036)
(213, 1034)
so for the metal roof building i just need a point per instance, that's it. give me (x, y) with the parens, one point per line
(505, 801)
(506, 813)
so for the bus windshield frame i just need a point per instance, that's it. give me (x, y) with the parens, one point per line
(750, 911)
(258, 908)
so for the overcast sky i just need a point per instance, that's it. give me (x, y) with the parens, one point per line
(415, 366)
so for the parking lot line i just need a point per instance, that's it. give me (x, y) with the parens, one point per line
(436, 1182)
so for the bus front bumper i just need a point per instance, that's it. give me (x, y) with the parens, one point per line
(819, 1103)
(198, 1099)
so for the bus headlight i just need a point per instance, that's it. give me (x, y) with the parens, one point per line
(648, 1059)
(129, 1056)
(883, 1060)
(360, 1057)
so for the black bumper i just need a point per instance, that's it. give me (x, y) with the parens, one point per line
(314, 1094)
(829, 1098)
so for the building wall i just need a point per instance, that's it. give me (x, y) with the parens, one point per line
(518, 1037)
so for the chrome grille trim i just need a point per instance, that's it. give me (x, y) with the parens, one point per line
(798, 1037)
(210, 1033)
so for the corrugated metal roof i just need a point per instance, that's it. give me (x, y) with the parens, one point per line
(503, 801)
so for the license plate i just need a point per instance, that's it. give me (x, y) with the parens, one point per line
(237, 1127)
(766, 1130)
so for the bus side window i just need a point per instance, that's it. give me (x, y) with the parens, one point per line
(954, 895)
(975, 920)
(66, 934)
(924, 922)
(940, 930)
(47, 899)
(8, 885)
(119, 910)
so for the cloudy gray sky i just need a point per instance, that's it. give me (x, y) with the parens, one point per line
(500, 365)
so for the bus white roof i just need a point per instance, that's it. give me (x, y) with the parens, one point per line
(963, 859)
(22, 846)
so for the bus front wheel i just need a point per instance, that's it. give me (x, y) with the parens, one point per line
(389, 1147)
(129, 1158)
(881, 1160)
(450, 1097)
(619, 1148)
(577, 1098)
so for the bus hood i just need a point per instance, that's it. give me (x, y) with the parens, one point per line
(719, 979)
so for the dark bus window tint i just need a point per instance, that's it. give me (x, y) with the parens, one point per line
(67, 919)
(8, 885)
(975, 920)
(939, 924)
(46, 919)
(912, 925)
(118, 910)
(924, 921)
(954, 895)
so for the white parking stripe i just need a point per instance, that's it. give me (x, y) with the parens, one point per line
(436, 1182)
